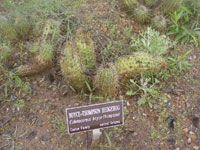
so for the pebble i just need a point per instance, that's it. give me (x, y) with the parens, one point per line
(193, 137)
(186, 130)
(32, 135)
(13, 97)
(177, 148)
(195, 121)
(44, 138)
(155, 106)
(189, 140)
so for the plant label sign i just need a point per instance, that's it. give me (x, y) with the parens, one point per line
(95, 116)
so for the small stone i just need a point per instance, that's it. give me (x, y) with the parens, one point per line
(44, 138)
(193, 137)
(186, 130)
(195, 147)
(155, 106)
(32, 135)
(195, 121)
(127, 103)
(177, 148)
(13, 97)
(189, 140)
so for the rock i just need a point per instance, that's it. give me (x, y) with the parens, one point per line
(44, 138)
(13, 97)
(195, 147)
(155, 106)
(186, 130)
(195, 121)
(193, 137)
(32, 135)
(172, 141)
(189, 140)
(177, 148)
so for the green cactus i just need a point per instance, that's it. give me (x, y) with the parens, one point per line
(34, 47)
(85, 49)
(7, 31)
(159, 22)
(106, 81)
(138, 63)
(51, 30)
(142, 14)
(23, 27)
(129, 5)
(150, 3)
(72, 69)
(46, 51)
(169, 6)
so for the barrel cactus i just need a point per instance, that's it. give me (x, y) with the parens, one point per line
(142, 14)
(46, 51)
(159, 22)
(138, 63)
(106, 81)
(72, 69)
(85, 49)
(150, 3)
(169, 6)
(129, 5)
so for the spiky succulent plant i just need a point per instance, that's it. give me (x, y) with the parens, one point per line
(150, 3)
(169, 6)
(72, 69)
(85, 49)
(46, 51)
(159, 22)
(129, 5)
(138, 63)
(142, 14)
(4, 52)
(7, 31)
(51, 30)
(106, 81)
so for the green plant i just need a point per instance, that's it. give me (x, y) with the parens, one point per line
(13, 138)
(46, 51)
(73, 69)
(85, 49)
(106, 81)
(182, 29)
(149, 93)
(151, 41)
(141, 14)
(5, 52)
(59, 124)
(178, 63)
(138, 63)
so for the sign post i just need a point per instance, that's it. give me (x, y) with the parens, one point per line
(96, 116)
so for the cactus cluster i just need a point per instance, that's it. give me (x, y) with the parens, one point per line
(106, 81)
(4, 52)
(72, 68)
(137, 63)
(141, 14)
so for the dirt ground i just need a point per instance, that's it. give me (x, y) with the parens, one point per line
(172, 123)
